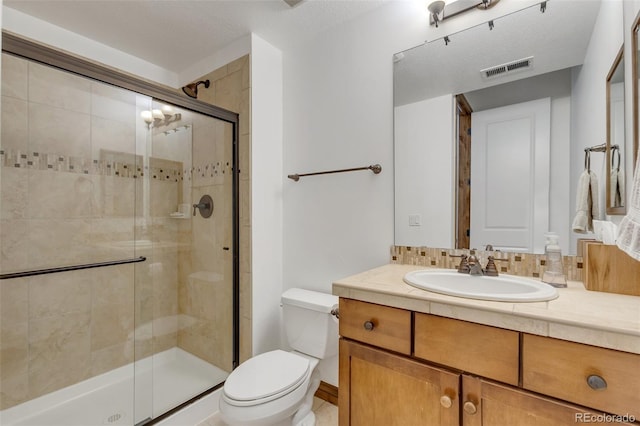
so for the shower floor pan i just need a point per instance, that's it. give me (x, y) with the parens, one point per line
(124, 396)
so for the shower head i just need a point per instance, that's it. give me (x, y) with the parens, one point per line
(191, 89)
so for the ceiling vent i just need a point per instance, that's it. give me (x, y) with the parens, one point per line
(508, 68)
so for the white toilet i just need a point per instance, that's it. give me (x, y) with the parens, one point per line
(277, 387)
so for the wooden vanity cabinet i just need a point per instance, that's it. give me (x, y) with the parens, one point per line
(403, 368)
(378, 387)
(600, 378)
(473, 348)
(488, 403)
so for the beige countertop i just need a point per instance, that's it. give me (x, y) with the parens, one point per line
(577, 315)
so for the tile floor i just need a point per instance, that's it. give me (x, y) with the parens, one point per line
(326, 415)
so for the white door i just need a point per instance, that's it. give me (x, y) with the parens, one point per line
(510, 176)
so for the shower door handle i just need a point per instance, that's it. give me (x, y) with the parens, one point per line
(205, 206)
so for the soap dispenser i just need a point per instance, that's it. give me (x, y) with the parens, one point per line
(554, 268)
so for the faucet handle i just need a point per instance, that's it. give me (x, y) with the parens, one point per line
(491, 269)
(463, 268)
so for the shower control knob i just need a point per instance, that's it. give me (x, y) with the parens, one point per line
(205, 206)
(368, 325)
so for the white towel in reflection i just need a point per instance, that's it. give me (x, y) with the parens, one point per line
(594, 200)
(587, 207)
(616, 187)
(629, 229)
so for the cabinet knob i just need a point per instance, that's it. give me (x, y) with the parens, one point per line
(596, 382)
(469, 408)
(445, 401)
(368, 325)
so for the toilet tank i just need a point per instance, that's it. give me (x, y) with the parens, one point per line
(308, 323)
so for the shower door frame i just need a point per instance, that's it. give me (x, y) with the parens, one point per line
(30, 50)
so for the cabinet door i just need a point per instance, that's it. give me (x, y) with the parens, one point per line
(490, 404)
(378, 388)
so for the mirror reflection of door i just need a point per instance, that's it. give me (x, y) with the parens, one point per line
(510, 149)
(463, 206)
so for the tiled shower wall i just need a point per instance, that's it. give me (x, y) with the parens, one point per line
(521, 264)
(231, 89)
(205, 262)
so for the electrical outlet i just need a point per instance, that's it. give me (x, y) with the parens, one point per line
(415, 220)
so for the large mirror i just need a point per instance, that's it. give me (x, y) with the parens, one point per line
(524, 84)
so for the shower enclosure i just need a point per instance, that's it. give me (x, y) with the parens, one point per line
(119, 289)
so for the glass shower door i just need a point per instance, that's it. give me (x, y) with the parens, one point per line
(184, 296)
(103, 180)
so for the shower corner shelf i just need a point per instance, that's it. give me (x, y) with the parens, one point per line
(178, 215)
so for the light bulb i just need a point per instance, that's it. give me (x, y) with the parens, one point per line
(147, 116)
(157, 114)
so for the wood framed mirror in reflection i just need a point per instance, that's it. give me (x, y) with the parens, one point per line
(615, 177)
(513, 106)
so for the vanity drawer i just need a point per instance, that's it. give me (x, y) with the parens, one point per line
(479, 349)
(377, 325)
(561, 369)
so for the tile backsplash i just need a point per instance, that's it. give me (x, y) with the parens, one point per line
(521, 264)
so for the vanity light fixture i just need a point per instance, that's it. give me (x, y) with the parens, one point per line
(160, 116)
(436, 9)
(439, 10)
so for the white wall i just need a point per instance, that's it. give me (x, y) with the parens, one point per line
(266, 193)
(338, 113)
(425, 148)
(588, 102)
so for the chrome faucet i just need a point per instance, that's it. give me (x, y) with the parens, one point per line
(471, 265)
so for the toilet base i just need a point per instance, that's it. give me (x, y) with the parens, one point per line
(308, 420)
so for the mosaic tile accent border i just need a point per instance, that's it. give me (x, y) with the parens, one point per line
(209, 170)
(67, 163)
(111, 164)
(521, 264)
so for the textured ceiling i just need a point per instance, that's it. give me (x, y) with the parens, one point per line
(175, 34)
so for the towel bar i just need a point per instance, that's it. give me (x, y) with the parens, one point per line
(375, 168)
(70, 268)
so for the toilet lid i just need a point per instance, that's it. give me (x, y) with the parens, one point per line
(266, 375)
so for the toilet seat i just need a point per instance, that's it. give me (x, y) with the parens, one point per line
(265, 377)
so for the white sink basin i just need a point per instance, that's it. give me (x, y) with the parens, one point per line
(505, 288)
